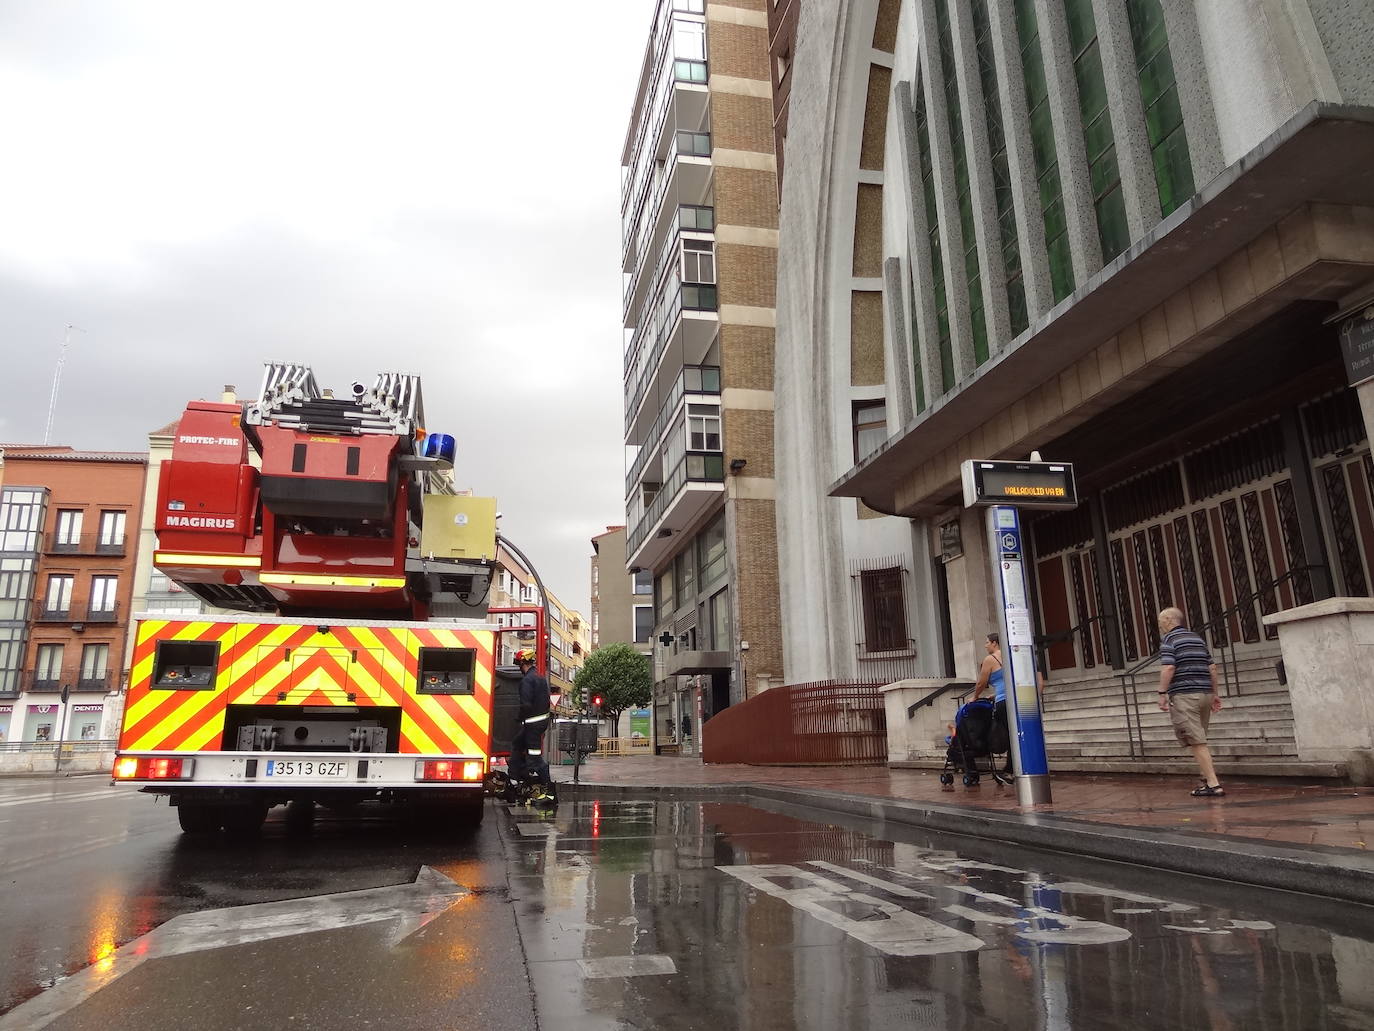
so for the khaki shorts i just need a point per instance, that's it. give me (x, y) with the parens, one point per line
(1190, 712)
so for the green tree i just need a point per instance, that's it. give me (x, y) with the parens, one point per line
(620, 675)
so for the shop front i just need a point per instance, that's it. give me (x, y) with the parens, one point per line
(6, 715)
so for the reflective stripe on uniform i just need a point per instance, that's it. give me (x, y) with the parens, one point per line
(536, 719)
(536, 751)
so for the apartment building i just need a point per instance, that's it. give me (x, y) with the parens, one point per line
(699, 237)
(66, 578)
(1128, 234)
(622, 602)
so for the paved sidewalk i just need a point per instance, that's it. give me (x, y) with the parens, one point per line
(1297, 835)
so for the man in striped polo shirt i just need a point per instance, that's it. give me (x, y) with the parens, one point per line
(1188, 693)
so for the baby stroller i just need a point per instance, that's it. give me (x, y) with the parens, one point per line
(978, 734)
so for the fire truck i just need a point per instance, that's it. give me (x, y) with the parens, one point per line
(352, 656)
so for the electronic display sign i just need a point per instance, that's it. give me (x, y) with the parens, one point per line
(1025, 484)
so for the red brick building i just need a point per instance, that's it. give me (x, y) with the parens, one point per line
(68, 538)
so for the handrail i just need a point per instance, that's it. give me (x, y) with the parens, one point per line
(1206, 629)
(929, 699)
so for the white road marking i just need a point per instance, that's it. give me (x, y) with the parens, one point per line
(886, 927)
(978, 916)
(876, 882)
(1160, 905)
(410, 905)
(1198, 930)
(83, 797)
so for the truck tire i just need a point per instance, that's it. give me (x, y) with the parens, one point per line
(244, 819)
(198, 819)
(468, 815)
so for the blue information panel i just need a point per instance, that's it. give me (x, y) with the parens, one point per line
(1018, 646)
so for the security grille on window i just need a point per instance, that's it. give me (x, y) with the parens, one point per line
(698, 261)
(884, 610)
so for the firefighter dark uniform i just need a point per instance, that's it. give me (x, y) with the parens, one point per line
(527, 750)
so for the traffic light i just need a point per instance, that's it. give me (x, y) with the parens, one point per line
(596, 704)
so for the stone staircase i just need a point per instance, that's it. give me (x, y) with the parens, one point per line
(1087, 727)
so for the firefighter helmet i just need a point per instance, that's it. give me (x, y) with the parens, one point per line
(524, 655)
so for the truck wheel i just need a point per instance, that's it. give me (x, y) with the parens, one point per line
(300, 816)
(198, 819)
(469, 814)
(244, 819)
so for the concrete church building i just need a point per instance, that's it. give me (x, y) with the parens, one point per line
(1127, 234)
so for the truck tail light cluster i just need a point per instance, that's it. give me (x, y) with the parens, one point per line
(152, 768)
(469, 770)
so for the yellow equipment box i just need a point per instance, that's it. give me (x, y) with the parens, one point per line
(459, 527)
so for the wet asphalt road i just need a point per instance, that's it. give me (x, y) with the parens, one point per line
(623, 914)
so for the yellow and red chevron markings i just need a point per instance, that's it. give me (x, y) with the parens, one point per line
(295, 664)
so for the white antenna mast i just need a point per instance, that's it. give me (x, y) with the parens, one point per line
(57, 378)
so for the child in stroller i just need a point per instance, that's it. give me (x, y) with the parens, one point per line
(978, 734)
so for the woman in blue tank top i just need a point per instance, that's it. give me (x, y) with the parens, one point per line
(990, 673)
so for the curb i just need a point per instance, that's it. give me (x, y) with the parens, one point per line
(1345, 877)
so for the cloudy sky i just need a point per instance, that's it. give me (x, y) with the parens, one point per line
(427, 187)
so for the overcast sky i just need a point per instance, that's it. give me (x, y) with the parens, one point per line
(361, 187)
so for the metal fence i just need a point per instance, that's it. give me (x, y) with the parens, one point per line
(68, 747)
(833, 721)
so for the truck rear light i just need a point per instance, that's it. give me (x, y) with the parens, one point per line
(153, 768)
(468, 770)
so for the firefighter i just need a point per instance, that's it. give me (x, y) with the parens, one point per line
(527, 750)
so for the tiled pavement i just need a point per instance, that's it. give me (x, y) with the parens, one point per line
(1292, 814)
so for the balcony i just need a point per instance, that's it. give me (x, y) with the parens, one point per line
(101, 614)
(698, 380)
(47, 615)
(51, 682)
(691, 218)
(683, 338)
(693, 486)
(687, 178)
(85, 544)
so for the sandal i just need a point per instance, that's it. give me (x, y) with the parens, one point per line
(1209, 791)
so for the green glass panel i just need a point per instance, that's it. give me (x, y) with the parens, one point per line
(1112, 229)
(1042, 137)
(1103, 174)
(1148, 33)
(1092, 88)
(1026, 28)
(1016, 305)
(1097, 137)
(980, 335)
(1173, 172)
(1061, 268)
(1082, 29)
(1156, 76)
(1166, 116)
(1033, 67)
(1056, 222)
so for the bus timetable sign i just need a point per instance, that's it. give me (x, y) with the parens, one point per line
(1024, 484)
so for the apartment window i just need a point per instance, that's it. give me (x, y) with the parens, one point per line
(21, 519)
(698, 261)
(16, 588)
(103, 591)
(884, 610)
(663, 594)
(596, 575)
(694, 144)
(644, 582)
(1103, 172)
(47, 664)
(59, 596)
(972, 269)
(690, 71)
(691, 6)
(644, 623)
(937, 261)
(1001, 170)
(1163, 112)
(711, 553)
(689, 40)
(95, 665)
(696, 218)
(11, 660)
(701, 379)
(187, 605)
(870, 427)
(684, 567)
(68, 528)
(111, 529)
(1043, 151)
(720, 621)
(703, 428)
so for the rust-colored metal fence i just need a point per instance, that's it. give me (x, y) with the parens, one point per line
(833, 721)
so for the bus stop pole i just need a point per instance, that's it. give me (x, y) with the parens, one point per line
(1027, 731)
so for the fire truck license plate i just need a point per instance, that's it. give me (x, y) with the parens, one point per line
(306, 768)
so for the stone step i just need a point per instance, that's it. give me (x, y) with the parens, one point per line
(1234, 750)
(1231, 709)
(1180, 766)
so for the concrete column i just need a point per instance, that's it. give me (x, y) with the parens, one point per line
(1305, 501)
(1084, 244)
(982, 191)
(922, 285)
(902, 353)
(946, 195)
(1025, 187)
(1133, 159)
(1194, 93)
(1328, 650)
